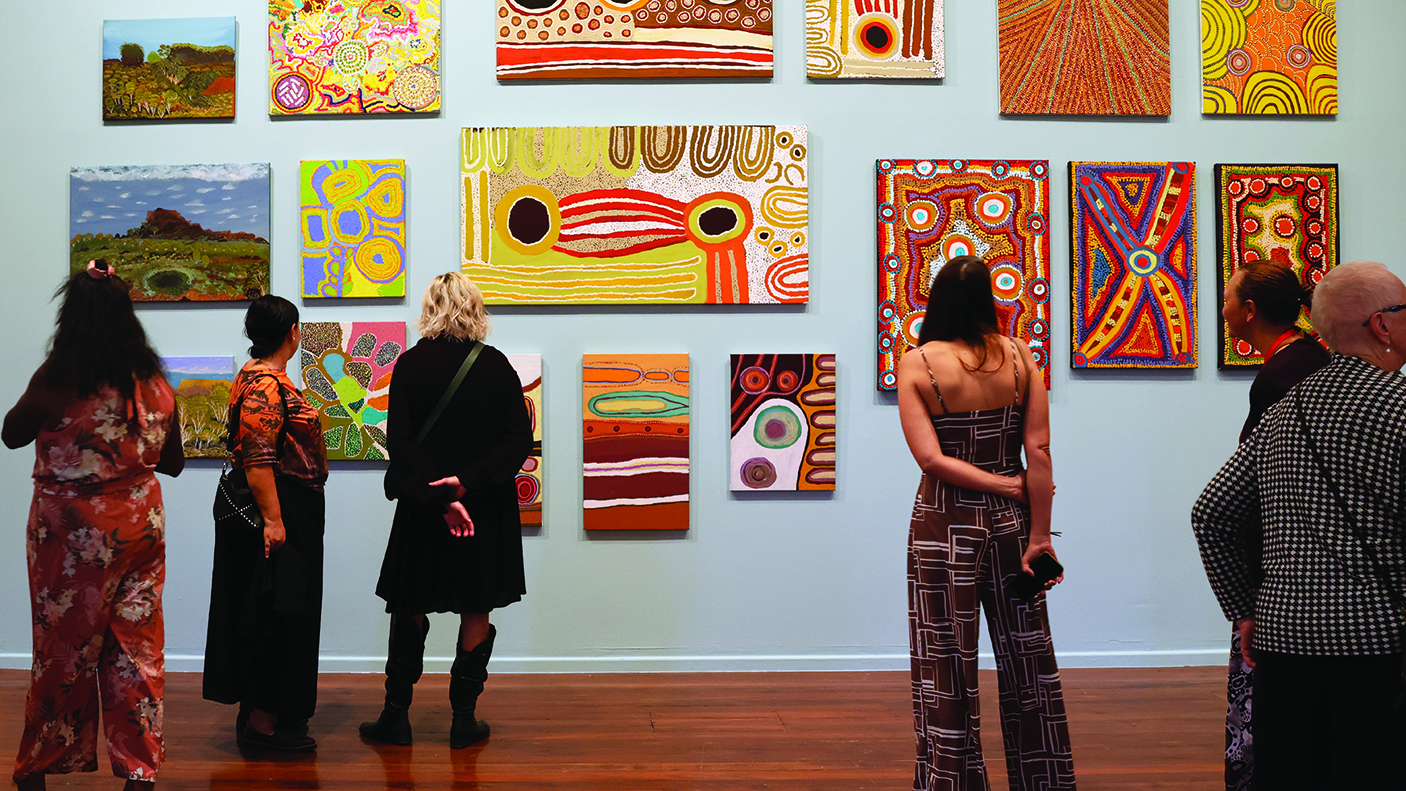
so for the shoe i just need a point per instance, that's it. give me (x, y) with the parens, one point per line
(405, 662)
(466, 679)
(281, 740)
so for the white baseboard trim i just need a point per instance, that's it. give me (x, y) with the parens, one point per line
(194, 663)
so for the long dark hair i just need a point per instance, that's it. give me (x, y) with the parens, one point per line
(961, 307)
(267, 323)
(98, 339)
(1276, 291)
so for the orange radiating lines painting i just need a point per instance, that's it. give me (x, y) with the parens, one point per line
(1085, 57)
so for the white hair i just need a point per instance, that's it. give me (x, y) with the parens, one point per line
(1347, 297)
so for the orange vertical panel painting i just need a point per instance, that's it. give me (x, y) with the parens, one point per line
(635, 432)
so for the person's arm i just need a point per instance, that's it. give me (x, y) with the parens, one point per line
(37, 407)
(1039, 470)
(927, 451)
(173, 453)
(1222, 511)
(256, 444)
(499, 466)
(410, 469)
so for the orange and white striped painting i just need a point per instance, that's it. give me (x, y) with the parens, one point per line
(636, 214)
(575, 39)
(635, 438)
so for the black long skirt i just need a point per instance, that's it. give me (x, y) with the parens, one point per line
(266, 614)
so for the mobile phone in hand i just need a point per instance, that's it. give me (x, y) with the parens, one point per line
(1046, 568)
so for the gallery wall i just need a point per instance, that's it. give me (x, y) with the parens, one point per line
(760, 581)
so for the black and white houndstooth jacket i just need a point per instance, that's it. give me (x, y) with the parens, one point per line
(1320, 595)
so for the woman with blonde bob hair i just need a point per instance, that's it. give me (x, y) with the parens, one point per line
(458, 432)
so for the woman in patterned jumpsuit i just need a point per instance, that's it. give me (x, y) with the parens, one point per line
(103, 420)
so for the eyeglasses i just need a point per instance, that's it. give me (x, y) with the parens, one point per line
(1392, 309)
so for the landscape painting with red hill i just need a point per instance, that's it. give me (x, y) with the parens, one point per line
(175, 232)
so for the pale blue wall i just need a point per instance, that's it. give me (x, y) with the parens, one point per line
(761, 582)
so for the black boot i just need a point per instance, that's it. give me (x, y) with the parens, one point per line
(404, 665)
(466, 679)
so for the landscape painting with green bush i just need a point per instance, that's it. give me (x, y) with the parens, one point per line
(174, 232)
(202, 386)
(168, 68)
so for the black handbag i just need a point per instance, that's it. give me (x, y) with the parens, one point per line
(235, 505)
(1382, 578)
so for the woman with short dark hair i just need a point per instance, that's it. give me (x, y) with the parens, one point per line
(456, 542)
(970, 400)
(103, 420)
(266, 588)
(1263, 302)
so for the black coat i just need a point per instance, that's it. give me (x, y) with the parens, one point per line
(483, 437)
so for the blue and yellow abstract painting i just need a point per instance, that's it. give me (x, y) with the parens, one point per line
(353, 228)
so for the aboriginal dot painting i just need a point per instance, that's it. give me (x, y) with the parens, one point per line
(1287, 213)
(347, 379)
(572, 39)
(529, 478)
(1085, 57)
(1133, 229)
(353, 228)
(933, 210)
(893, 39)
(636, 214)
(1268, 57)
(353, 56)
(783, 422)
(202, 386)
(635, 441)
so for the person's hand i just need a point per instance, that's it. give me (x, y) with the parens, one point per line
(452, 481)
(1035, 550)
(457, 517)
(274, 535)
(1019, 491)
(1247, 640)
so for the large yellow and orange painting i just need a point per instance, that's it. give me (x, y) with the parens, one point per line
(636, 214)
(1269, 57)
(635, 450)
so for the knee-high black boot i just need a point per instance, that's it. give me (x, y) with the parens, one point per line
(404, 665)
(466, 679)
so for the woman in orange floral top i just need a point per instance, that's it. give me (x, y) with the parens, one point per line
(266, 589)
(103, 420)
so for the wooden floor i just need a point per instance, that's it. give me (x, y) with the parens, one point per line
(1132, 729)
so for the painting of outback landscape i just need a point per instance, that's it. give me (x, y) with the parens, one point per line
(347, 379)
(202, 386)
(175, 232)
(168, 68)
(635, 451)
(529, 478)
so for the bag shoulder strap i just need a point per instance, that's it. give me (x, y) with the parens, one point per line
(235, 411)
(453, 388)
(1355, 527)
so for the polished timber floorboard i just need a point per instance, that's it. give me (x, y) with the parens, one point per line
(1132, 729)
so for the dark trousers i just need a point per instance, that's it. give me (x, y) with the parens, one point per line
(1325, 722)
(266, 615)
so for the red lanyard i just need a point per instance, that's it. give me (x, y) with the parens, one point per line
(1278, 342)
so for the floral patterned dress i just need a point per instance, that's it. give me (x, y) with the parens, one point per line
(97, 566)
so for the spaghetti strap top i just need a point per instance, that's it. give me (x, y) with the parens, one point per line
(1015, 365)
